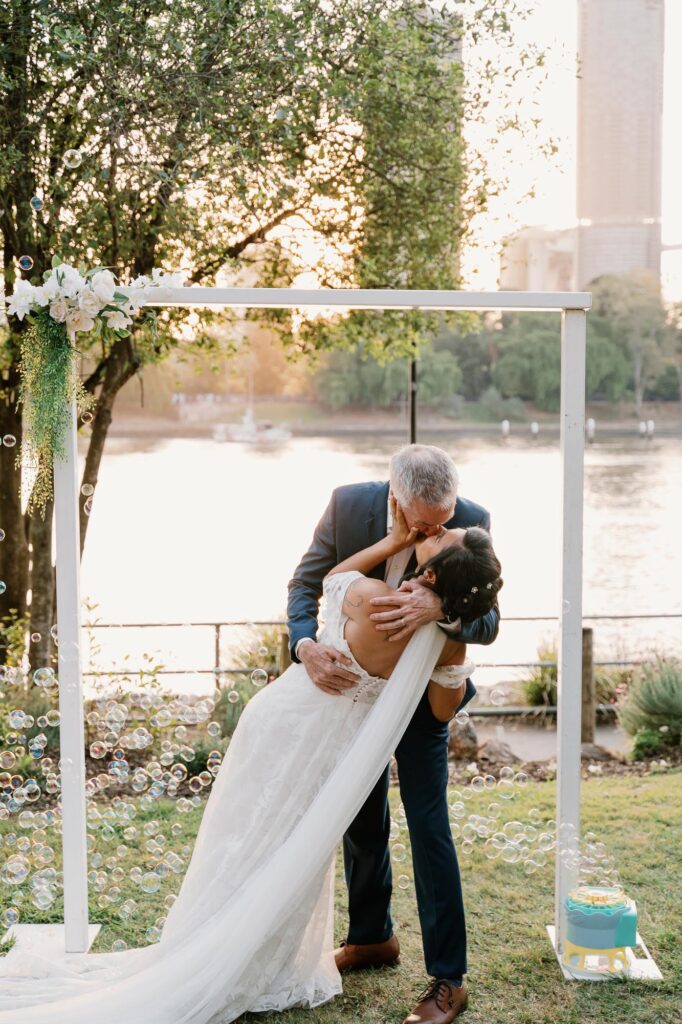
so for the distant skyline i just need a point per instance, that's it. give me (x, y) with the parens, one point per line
(553, 27)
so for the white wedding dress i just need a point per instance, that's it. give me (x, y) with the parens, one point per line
(252, 925)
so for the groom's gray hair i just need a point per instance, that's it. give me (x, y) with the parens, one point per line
(426, 473)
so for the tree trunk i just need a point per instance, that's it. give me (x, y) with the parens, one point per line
(14, 548)
(42, 589)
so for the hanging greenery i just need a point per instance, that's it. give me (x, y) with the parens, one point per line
(49, 385)
(70, 301)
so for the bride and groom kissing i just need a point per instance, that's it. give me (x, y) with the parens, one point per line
(408, 577)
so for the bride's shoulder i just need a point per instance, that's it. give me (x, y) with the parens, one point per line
(358, 594)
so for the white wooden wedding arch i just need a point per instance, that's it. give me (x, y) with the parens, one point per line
(573, 307)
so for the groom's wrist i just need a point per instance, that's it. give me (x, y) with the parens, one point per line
(299, 644)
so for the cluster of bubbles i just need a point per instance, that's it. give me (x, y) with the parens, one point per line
(72, 159)
(165, 729)
(480, 816)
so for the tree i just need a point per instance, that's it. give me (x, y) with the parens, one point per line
(637, 317)
(213, 136)
(357, 379)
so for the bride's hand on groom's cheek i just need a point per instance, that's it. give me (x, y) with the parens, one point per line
(406, 610)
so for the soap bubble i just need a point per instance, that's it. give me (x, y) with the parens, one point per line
(478, 784)
(9, 440)
(2, 535)
(233, 696)
(36, 203)
(87, 490)
(497, 696)
(35, 638)
(43, 677)
(263, 651)
(521, 779)
(150, 882)
(72, 158)
(403, 882)
(462, 716)
(87, 417)
(399, 852)
(259, 677)
(25, 262)
(87, 506)
(3, 586)
(507, 772)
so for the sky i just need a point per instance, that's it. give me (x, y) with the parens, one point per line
(553, 27)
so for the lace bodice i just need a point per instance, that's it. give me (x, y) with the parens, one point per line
(333, 592)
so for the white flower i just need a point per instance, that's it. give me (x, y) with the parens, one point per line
(117, 320)
(103, 284)
(78, 320)
(140, 282)
(58, 309)
(51, 287)
(168, 278)
(40, 296)
(21, 301)
(71, 283)
(89, 302)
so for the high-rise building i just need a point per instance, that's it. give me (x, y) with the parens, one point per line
(620, 100)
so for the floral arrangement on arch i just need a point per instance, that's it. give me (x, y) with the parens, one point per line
(70, 301)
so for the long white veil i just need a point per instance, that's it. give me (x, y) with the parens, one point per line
(186, 981)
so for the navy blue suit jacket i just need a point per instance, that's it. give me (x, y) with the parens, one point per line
(355, 518)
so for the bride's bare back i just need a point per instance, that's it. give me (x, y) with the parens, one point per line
(370, 646)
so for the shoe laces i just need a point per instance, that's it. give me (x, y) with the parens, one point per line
(439, 991)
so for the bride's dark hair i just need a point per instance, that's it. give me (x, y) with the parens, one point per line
(467, 576)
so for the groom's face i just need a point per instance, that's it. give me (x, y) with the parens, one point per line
(426, 519)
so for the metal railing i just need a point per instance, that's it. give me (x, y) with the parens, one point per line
(217, 670)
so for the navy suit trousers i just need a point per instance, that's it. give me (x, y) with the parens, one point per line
(422, 757)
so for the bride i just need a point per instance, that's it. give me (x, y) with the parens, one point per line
(252, 925)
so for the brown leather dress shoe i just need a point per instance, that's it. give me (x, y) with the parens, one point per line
(350, 957)
(440, 1002)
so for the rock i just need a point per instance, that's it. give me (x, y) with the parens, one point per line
(593, 752)
(462, 741)
(496, 752)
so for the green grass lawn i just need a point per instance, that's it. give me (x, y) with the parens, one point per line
(513, 975)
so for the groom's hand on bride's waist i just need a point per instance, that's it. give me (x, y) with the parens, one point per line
(406, 610)
(327, 667)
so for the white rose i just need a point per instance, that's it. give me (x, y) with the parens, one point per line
(89, 302)
(40, 297)
(59, 309)
(71, 283)
(117, 320)
(51, 287)
(78, 320)
(103, 284)
(21, 301)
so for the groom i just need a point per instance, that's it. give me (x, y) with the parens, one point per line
(424, 481)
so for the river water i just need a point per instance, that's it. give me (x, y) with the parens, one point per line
(192, 530)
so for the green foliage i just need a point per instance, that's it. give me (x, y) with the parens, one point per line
(540, 686)
(648, 743)
(494, 407)
(654, 700)
(472, 351)
(357, 379)
(49, 384)
(637, 323)
(13, 637)
(529, 360)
